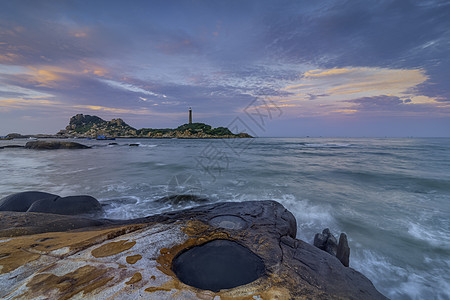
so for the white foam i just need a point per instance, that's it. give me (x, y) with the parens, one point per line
(436, 238)
(311, 219)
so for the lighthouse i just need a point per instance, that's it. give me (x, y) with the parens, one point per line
(190, 115)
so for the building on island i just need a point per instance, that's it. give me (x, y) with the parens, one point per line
(190, 115)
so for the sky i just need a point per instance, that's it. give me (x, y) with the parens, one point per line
(269, 68)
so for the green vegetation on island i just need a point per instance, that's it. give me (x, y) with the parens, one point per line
(88, 126)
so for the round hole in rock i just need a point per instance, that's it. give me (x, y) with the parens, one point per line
(216, 265)
(228, 222)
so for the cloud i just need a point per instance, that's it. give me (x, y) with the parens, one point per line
(313, 97)
(131, 88)
(326, 73)
(7, 105)
(349, 82)
(350, 90)
(393, 105)
(382, 102)
(220, 56)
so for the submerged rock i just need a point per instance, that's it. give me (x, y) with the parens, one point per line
(182, 198)
(13, 146)
(52, 145)
(142, 258)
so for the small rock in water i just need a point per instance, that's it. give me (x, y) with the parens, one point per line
(133, 145)
(320, 241)
(331, 245)
(328, 243)
(343, 250)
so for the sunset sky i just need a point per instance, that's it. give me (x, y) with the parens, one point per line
(281, 68)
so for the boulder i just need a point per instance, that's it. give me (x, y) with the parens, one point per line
(72, 205)
(22, 201)
(35, 201)
(343, 250)
(331, 245)
(142, 258)
(52, 145)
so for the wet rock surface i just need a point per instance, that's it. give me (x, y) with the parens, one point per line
(123, 259)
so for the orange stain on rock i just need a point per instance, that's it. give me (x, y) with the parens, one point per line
(135, 278)
(112, 248)
(133, 259)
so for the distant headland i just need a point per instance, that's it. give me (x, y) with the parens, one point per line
(87, 126)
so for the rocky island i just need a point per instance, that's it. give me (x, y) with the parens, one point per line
(229, 250)
(87, 126)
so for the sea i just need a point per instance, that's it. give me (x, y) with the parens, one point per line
(391, 196)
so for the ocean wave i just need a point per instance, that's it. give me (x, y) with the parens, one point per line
(435, 238)
(328, 145)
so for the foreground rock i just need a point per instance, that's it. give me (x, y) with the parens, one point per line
(140, 258)
(51, 145)
(34, 201)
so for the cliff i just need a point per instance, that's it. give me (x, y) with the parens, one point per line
(92, 126)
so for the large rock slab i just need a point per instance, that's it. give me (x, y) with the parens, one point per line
(134, 259)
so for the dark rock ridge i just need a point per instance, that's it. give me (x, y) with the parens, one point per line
(125, 259)
(52, 145)
(328, 243)
(87, 126)
(35, 201)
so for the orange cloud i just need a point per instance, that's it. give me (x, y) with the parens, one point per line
(19, 103)
(330, 72)
(8, 57)
(114, 110)
(80, 34)
(327, 91)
